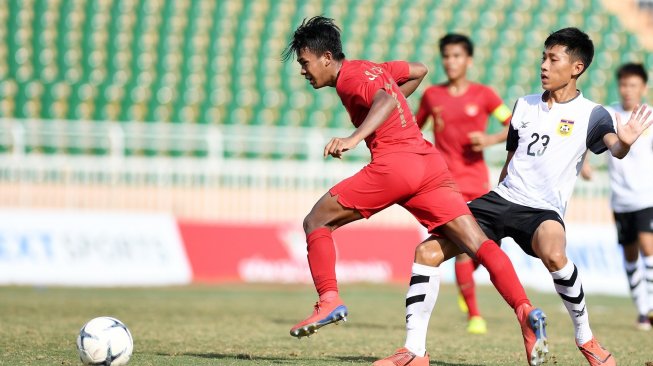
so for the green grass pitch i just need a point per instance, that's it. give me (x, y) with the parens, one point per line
(239, 325)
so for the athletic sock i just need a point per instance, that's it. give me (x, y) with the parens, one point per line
(322, 260)
(502, 274)
(420, 301)
(465, 280)
(648, 275)
(637, 285)
(569, 287)
(329, 295)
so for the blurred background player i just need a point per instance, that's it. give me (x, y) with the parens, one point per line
(631, 186)
(460, 110)
(406, 170)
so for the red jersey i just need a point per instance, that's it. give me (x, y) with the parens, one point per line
(358, 81)
(454, 118)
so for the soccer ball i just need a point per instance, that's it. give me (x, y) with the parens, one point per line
(105, 341)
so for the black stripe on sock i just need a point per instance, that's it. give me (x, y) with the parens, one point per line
(632, 286)
(648, 267)
(574, 300)
(570, 282)
(413, 299)
(631, 272)
(418, 279)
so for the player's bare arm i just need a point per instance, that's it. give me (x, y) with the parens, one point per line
(382, 106)
(504, 170)
(480, 140)
(416, 73)
(627, 134)
(586, 171)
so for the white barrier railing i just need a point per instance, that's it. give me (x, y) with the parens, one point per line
(107, 165)
(21, 137)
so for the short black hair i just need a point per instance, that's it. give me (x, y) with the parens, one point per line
(577, 43)
(632, 69)
(455, 38)
(319, 35)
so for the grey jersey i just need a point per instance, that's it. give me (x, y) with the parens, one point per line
(631, 178)
(549, 146)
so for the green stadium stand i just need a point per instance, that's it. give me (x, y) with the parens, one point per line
(217, 62)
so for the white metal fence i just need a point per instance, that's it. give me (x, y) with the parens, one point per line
(195, 171)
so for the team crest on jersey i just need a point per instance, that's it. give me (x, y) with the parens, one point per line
(471, 110)
(565, 127)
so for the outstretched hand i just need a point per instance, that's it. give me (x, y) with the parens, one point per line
(338, 145)
(639, 121)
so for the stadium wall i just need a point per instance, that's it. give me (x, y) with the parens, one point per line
(123, 219)
(94, 248)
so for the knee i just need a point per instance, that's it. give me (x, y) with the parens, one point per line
(309, 224)
(554, 261)
(314, 221)
(428, 254)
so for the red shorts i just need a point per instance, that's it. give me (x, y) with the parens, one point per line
(470, 196)
(420, 183)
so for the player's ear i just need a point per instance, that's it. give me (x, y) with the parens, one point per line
(577, 68)
(327, 58)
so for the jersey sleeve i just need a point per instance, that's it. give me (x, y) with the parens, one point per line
(513, 139)
(600, 124)
(612, 112)
(513, 135)
(400, 70)
(495, 106)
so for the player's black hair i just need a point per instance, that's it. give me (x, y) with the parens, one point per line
(632, 69)
(577, 43)
(319, 35)
(455, 38)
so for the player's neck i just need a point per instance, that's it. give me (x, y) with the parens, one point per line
(627, 107)
(457, 87)
(562, 95)
(337, 66)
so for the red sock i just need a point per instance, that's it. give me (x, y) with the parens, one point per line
(465, 280)
(502, 274)
(322, 260)
(329, 296)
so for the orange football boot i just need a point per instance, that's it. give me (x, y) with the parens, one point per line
(403, 357)
(325, 312)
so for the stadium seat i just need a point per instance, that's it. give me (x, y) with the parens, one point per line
(218, 63)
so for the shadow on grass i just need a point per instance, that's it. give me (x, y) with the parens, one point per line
(370, 360)
(355, 325)
(284, 321)
(294, 360)
(375, 326)
(241, 356)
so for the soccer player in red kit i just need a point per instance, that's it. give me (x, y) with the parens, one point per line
(460, 110)
(405, 169)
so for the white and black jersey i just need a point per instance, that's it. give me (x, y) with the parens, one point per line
(631, 178)
(549, 146)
